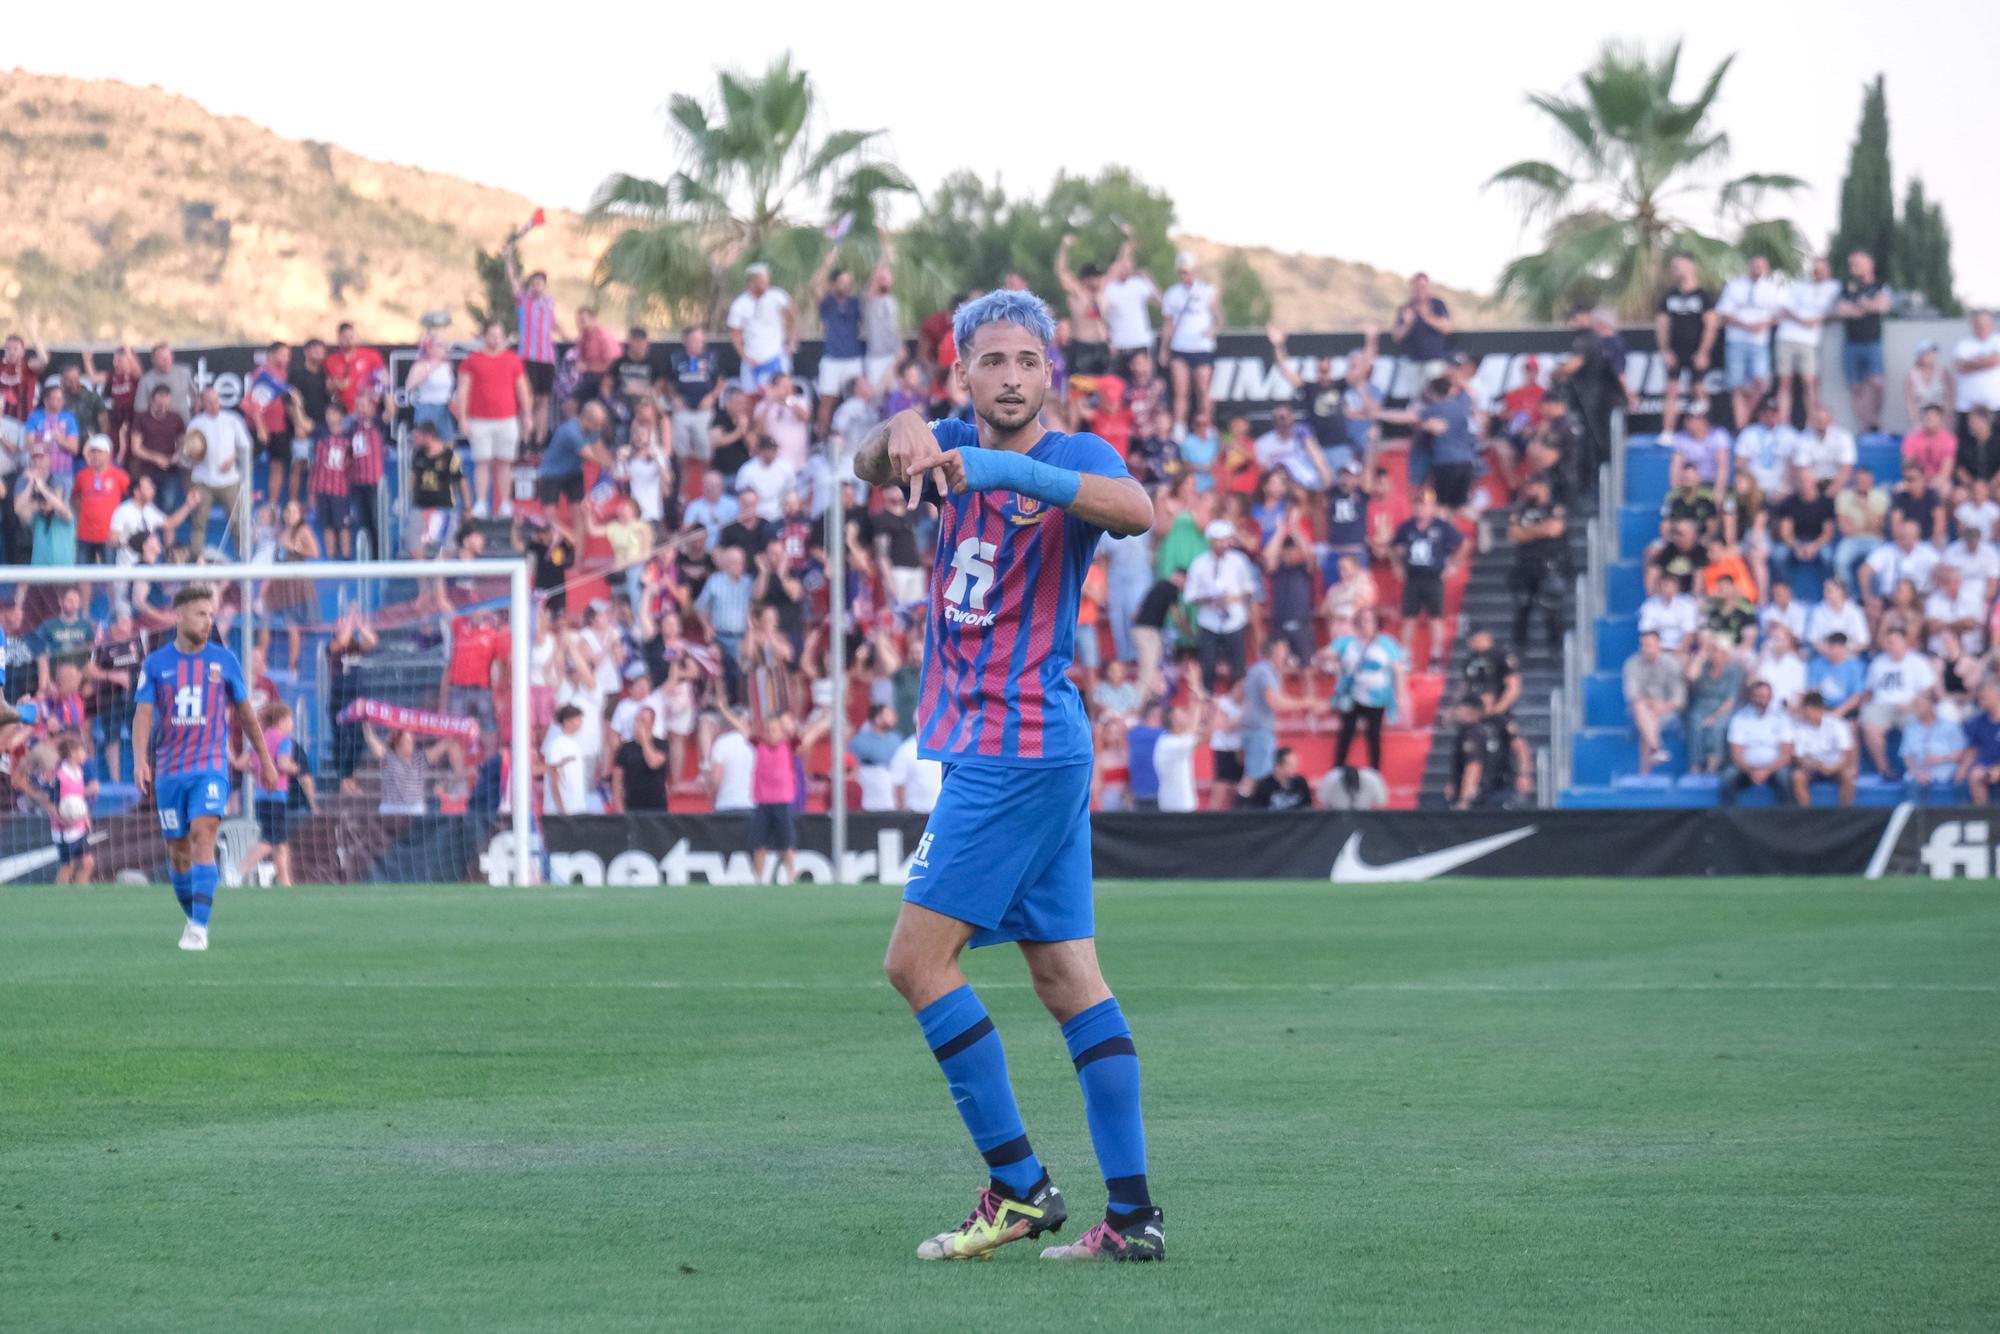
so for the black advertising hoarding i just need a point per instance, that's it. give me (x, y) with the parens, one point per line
(1376, 847)
(336, 845)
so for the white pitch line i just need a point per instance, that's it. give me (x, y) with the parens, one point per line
(1325, 988)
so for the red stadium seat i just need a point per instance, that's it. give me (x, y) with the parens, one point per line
(1426, 690)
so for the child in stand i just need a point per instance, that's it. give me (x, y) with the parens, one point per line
(273, 807)
(69, 815)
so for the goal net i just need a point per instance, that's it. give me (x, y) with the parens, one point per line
(396, 695)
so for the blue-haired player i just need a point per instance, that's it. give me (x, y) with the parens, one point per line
(1006, 854)
(196, 689)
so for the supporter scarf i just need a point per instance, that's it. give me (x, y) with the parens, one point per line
(423, 722)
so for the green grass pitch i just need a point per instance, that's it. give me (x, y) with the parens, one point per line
(1565, 1106)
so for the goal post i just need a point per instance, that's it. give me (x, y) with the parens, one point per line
(386, 707)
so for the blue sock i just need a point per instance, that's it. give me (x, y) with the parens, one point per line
(184, 891)
(1107, 1065)
(202, 880)
(968, 1050)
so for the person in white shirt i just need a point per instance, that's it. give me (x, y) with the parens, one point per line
(1764, 450)
(1781, 668)
(1955, 604)
(1128, 291)
(135, 514)
(1809, 303)
(1895, 678)
(731, 763)
(1976, 362)
(1291, 446)
(1173, 759)
(1822, 750)
(1835, 613)
(1760, 748)
(566, 780)
(1905, 558)
(1192, 309)
(1783, 609)
(1670, 614)
(1221, 583)
(1973, 555)
(764, 326)
(1749, 307)
(1978, 510)
(218, 475)
(1827, 448)
(770, 477)
(917, 779)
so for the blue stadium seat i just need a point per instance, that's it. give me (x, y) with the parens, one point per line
(1617, 640)
(1638, 528)
(1648, 474)
(1592, 797)
(1624, 587)
(1604, 699)
(1599, 755)
(1881, 455)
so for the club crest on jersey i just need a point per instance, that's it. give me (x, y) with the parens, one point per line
(214, 672)
(1025, 510)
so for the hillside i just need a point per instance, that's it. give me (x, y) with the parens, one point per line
(1317, 292)
(135, 213)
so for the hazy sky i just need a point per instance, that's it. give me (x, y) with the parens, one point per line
(1358, 131)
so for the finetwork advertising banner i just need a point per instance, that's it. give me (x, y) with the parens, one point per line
(337, 846)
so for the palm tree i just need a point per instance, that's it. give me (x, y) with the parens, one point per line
(1638, 164)
(752, 167)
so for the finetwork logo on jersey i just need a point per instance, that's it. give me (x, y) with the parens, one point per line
(972, 576)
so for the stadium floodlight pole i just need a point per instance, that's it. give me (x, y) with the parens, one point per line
(836, 602)
(486, 567)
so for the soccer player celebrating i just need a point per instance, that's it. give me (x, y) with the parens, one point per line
(1006, 854)
(192, 684)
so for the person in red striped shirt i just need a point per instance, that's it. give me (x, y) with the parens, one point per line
(332, 482)
(365, 465)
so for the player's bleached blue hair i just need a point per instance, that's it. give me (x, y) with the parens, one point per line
(1003, 307)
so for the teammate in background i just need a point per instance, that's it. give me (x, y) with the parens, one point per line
(273, 805)
(192, 684)
(1006, 853)
(69, 815)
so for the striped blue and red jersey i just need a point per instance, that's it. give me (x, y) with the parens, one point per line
(191, 694)
(1002, 624)
(535, 318)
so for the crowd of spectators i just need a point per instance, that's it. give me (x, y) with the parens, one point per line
(1294, 582)
(1801, 618)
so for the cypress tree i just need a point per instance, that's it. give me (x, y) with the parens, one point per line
(1868, 192)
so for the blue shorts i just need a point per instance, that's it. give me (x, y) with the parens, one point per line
(184, 798)
(758, 374)
(1745, 362)
(1007, 850)
(1861, 361)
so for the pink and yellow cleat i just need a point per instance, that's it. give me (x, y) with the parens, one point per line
(997, 1220)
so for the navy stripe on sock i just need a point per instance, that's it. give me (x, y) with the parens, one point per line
(203, 898)
(1130, 1191)
(1108, 1047)
(1013, 1151)
(958, 1044)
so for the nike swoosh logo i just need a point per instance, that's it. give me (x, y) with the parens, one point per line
(1350, 869)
